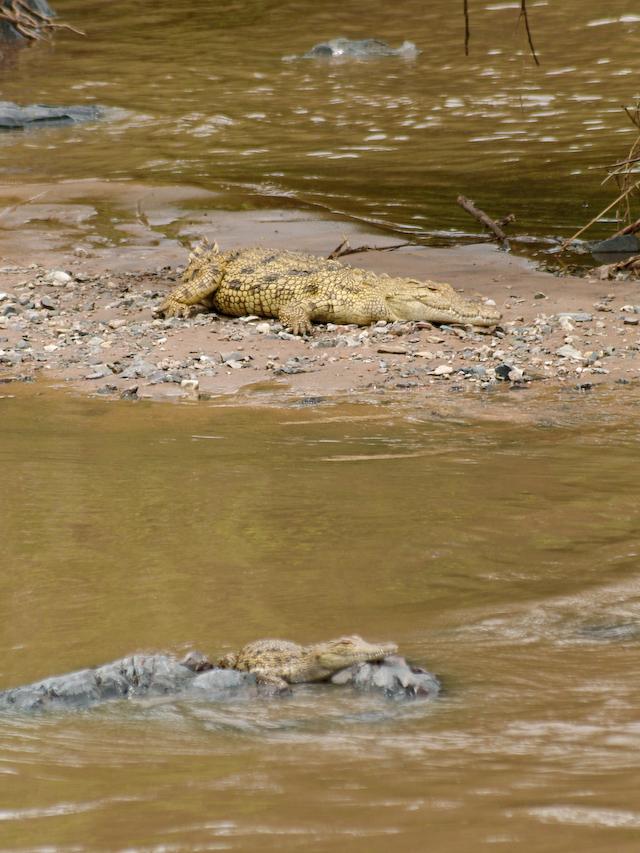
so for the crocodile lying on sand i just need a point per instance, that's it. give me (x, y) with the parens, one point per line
(195, 677)
(281, 662)
(299, 289)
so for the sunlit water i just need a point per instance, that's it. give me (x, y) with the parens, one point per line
(211, 94)
(503, 558)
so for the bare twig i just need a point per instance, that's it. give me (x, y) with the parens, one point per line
(345, 249)
(467, 30)
(634, 116)
(22, 203)
(523, 14)
(486, 220)
(628, 229)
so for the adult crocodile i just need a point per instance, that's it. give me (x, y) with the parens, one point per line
(281, 662)
(152, 675)
(300, 289)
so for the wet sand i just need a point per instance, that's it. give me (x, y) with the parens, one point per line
(78, 288)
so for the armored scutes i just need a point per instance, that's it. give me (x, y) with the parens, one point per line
(299, 289)
(281, 662)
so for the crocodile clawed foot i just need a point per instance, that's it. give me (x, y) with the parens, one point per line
(173, 308)
(303, 329)
(273, 686)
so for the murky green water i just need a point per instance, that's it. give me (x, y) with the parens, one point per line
(488, 552)
(202, 94)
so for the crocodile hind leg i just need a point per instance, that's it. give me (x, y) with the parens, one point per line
(297, 316)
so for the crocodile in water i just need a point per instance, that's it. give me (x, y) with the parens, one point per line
(299, 289)
(157, 675)
(281, 662)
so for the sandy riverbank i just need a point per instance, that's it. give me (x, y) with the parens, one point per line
(76, 309)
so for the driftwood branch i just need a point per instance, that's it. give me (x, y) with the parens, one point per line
(523, 14)
(467, 30)
(628, 229)
(345, 249)
(482, 217)
(29, 22)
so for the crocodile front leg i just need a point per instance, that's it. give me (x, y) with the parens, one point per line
(274, 683)
(298, 316)
(200, 281)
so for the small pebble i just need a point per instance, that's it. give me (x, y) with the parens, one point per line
(58, 277)
(442, 370)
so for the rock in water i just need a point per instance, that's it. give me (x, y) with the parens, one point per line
(15, 117)
(360, 49)
(397, 678)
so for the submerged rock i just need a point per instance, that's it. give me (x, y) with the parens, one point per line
(15, 117)
(394, 676)
(360, 49)
(194, 676)
(610, 632)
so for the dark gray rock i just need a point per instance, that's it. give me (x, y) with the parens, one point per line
(623, 245)
(138, 675)
(503, 371)
(15, 117)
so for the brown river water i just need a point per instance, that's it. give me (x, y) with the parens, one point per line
(504, 558)
(211, 95)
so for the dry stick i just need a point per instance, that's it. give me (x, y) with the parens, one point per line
(21, 203)
(345, 249)
(523, 14)
(467, 31)
(28, 21)
(634, 118)
(485, 219)
(628, 229)
(602, 212)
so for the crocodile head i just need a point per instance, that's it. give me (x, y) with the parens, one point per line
(437, 302)
(345, 651)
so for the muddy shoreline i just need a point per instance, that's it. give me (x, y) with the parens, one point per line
(76, 309)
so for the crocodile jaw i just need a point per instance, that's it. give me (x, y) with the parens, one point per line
(344, 652)
(437, 302)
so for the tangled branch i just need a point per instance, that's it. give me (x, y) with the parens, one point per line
(30, 23)
(625, 174)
